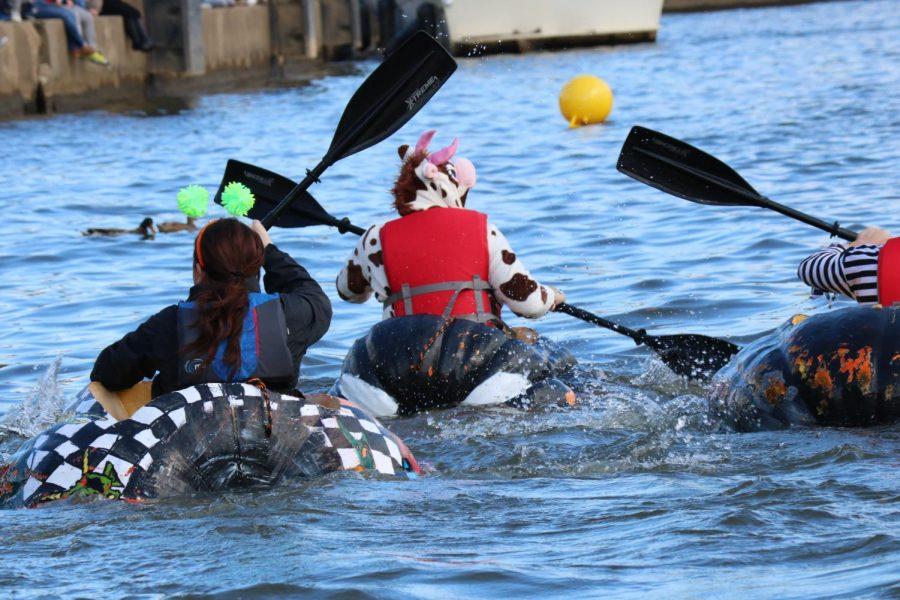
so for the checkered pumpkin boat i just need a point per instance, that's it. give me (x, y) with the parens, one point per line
(206, 438)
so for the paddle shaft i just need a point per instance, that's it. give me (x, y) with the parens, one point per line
(311, 177)
(834, 229)
(588, 317)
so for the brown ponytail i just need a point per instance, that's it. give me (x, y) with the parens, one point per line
(229, 253)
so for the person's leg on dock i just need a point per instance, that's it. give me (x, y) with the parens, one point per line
(42, 10)
(134, 27)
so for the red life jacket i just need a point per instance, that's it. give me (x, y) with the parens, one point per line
(889, 273)
(437, 263)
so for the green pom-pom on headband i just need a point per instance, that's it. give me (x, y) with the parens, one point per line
(237, 199)
(193, 200)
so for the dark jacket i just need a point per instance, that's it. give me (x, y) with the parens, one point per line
(152, 349)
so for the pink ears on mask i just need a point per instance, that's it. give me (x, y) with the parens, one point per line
(424, 140)
(443, 156)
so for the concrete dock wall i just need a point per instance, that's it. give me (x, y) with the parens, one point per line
(237, 38)
(198, 48)
(39, 74)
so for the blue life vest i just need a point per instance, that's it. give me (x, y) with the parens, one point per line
(264, 350)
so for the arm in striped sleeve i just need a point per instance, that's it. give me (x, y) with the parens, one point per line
(824, 271)
(850, 271)
(861, 271)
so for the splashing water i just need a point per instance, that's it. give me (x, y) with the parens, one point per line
(41, 407)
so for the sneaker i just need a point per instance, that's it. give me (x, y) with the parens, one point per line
(96, 58)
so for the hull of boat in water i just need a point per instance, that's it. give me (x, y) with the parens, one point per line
(411, 364)
(840, 368)
(205, 438)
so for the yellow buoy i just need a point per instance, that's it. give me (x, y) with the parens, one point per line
(585, 100)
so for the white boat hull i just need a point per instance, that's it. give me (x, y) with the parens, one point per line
(521, 23)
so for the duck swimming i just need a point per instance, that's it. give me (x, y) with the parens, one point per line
(175, 226)
(146, 229)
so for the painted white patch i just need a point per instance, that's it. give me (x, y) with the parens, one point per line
(309, 410)
(146, 415)
(178, 417)
(30, 487)
(497, 388)
(105, 441)
(190, 394)
(251, 391)
(66, 448)
(369, 426)
(65, 476)
(383, 462)
(356, 436)
(349, 458)
(147, 438)
(146, 462)
(374, 399)
(345, 412)
(69, 429)
(216, 389)
(207, 406)
(105, 423)
(36, 457)
(394, 450)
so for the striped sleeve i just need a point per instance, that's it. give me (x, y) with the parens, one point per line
(852, 271)
(861, 269)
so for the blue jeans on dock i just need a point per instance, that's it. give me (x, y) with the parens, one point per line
(42, 10)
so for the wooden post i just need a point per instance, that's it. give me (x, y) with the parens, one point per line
(356, 24)
(312, 31)
(192, 37)
(177, 30)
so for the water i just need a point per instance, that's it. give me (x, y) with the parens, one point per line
(633, 494)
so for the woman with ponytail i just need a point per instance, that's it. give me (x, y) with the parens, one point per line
(227, 330)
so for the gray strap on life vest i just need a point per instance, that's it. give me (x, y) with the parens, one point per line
(407, 293)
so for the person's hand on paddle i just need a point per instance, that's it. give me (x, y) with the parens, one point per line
(261, 231)
(559, 297)
(871, 236)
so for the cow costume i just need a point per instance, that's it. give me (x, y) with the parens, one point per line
(443, 274)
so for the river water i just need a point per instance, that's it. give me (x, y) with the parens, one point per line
(632, 494)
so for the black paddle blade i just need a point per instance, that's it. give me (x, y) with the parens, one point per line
(691, 355)
(670, 165)
(391, 95)
(269, 188)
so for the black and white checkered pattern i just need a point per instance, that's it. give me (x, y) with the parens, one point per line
(56, 462)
